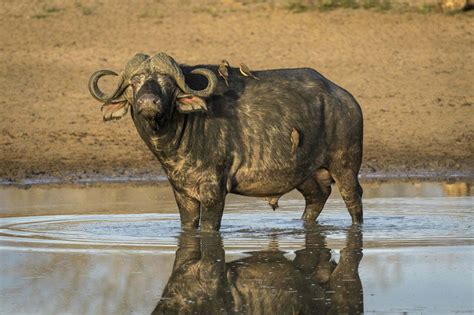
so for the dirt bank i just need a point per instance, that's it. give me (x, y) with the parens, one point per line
(412, 73)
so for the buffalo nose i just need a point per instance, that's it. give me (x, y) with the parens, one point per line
(148, 105)
(148, 102)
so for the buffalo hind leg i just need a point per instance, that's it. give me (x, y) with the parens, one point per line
(189, 211)
(315, 194)
(351, 192)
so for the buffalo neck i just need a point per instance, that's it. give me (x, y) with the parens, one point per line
(172, 140)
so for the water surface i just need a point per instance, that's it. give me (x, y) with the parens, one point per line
(111, 250)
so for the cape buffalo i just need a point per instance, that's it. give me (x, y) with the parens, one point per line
(259, 136)
(267, 281)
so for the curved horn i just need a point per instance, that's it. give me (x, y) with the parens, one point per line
(166, 64)
(97, 93)
(211, 82)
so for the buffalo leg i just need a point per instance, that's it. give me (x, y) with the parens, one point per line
(188, 211)
(212, 207)
(351, 192)
(344, 284)
(315, 195)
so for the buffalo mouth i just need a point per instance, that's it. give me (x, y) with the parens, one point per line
(148, 112)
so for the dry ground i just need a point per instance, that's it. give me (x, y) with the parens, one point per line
(412, 73)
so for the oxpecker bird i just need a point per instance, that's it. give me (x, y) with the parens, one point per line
(245, 70)
(223, 72)
(295, 140)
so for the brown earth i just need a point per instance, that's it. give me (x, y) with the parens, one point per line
(412, 74)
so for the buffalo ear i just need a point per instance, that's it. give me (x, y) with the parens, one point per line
(114, 111)
(187, 103)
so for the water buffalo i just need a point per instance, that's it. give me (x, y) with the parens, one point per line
(291, 128)
(267, 281)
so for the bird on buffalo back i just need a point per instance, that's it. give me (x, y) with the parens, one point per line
(245, 70)
(223, 72)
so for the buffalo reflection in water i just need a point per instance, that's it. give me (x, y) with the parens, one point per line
(266, 282)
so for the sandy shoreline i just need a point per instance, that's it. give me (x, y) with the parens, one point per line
(411, 73)
(160, 179)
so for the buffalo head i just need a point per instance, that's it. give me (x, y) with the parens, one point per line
(153, 86)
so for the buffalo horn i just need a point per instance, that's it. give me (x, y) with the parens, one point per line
(167, 65)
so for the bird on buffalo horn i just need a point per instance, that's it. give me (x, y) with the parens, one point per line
(245, 70)
(223, 72)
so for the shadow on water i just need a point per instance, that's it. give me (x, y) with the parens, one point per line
(266, 281)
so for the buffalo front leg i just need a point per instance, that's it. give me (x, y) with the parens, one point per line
(315, 195)
(188, 211)
(212, 207)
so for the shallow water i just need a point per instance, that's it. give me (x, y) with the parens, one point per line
(111, 249)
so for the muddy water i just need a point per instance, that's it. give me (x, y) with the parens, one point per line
(111, 250)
